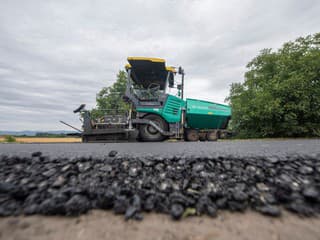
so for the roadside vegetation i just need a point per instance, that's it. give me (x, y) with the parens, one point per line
(109, 99)
(280, 96)
(49, 135)
(8, 139)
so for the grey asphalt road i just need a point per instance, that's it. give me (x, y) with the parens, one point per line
(236, 148)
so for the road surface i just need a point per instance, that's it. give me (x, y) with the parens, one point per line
(238, 148)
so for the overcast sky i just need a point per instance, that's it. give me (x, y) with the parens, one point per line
(55, 55)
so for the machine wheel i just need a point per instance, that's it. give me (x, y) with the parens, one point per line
(149, 133)
(192, 135)
(202, 136)
(212, 136)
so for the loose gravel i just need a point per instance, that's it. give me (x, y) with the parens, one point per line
(179, 186)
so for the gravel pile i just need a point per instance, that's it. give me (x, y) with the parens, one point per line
(179, 186)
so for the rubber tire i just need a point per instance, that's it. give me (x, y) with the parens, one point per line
(144, 130)
(202, 136)
(192, 135)
(212, 136)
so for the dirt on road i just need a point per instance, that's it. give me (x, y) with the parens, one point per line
(100, 224)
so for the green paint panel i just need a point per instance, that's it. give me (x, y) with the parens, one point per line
(200, 114)
(171, 110)
(206, 115)
(157, 111)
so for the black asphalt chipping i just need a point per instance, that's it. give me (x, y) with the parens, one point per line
(176, 178)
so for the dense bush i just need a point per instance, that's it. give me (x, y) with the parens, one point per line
(280, 96)
(9, 138)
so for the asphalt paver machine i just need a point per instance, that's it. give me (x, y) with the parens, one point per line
(158, 110)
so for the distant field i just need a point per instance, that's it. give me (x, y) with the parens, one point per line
(44, 140)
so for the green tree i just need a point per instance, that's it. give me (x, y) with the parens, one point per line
(109, 99)
(9, 139)
(280, 96)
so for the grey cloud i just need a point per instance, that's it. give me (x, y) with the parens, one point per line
(55, 55)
